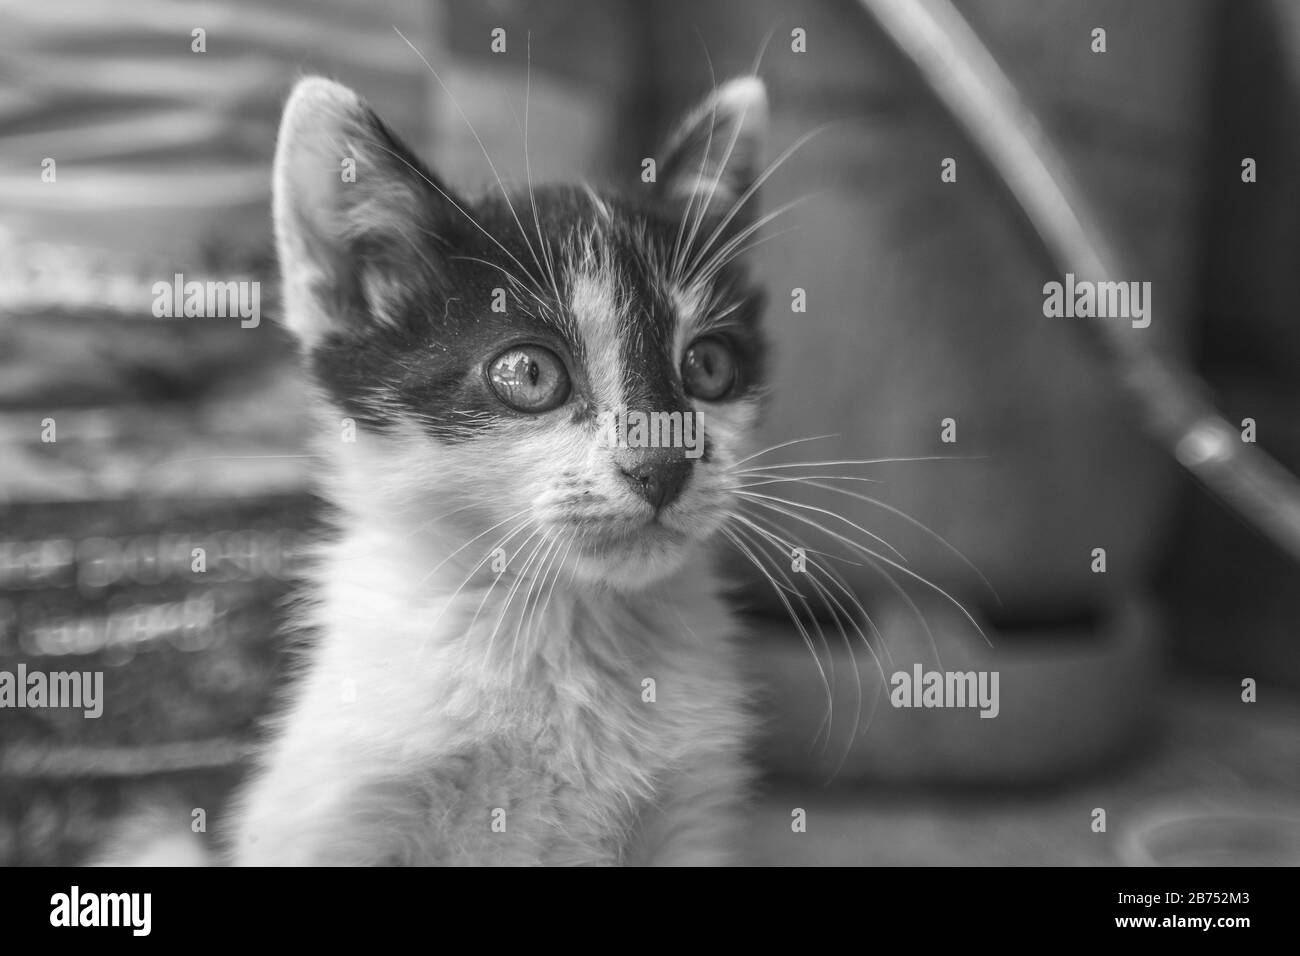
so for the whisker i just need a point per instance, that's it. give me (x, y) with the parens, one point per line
(840, 611)
(762, 50)
(785, 549)
(756, 479)
(756, 522)
(436, 567)
(514, 588)
(713, 187)
(864, 461)
(838, 615)
(491, 165)
(514, 280)
(528, 169)
(754, 187)
(880, 557)
(843, 586)
(720, 255)
(499, 543)
(532, 595)
(455, 205)
(896, 588)
(807, 479)
(708, 277)
(573, 538)
(830, 514)
(730, 535)
(679, 250)
(778, 447)
(423, 526)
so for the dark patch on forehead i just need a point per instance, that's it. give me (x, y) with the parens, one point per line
(647, 338)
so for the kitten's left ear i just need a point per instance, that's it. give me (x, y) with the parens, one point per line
(716, 153)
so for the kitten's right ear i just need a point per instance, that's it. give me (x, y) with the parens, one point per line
(357, 217)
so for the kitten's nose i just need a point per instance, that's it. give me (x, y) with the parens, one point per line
(657, 474)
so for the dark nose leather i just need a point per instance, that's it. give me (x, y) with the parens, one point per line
(657, 474)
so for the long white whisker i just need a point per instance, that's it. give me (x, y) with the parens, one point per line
(839, 613)
(436, 567)
(864, 461)
(753, 188)
(808, 479)
(514, 280)
(830, 514)
(844, 588)
(757, 522)
(499, 543)
(421, 527)
(783, 549)
(531, 596)
(896, 588)
(528, 171)
(730, 535)
(721, 254)
(514, 587)
(778, 447)
(573, 538)
(707, 277)
(491, 165)
(455, 205)
(756, 479)
(679, 250)
(713, 187)
(883, 558)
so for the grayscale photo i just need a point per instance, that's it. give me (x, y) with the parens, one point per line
(650, 433)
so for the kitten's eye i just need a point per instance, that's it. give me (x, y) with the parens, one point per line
(708, 369)
(529, 378)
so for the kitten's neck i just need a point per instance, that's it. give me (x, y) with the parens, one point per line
(456, 603)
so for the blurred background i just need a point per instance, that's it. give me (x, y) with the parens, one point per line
(1120, 690)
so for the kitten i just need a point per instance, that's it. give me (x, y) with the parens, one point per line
(522, 654)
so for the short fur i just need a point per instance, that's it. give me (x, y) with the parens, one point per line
(448, 713)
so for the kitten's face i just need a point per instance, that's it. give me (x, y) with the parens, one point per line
(567, 374)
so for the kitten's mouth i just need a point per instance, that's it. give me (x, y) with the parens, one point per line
(651, 534)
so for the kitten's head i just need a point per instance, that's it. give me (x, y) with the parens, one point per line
(571, 365)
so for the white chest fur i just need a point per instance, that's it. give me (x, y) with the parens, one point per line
(437, 723)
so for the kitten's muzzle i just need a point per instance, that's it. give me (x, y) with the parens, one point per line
(656, 474)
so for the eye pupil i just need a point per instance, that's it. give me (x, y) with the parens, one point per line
(528, 378)
(708, 369)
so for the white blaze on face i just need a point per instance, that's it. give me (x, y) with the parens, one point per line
(594, 305)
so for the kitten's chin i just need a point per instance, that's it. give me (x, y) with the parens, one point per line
(634, 564)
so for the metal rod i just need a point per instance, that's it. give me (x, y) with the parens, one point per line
(964, 76)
